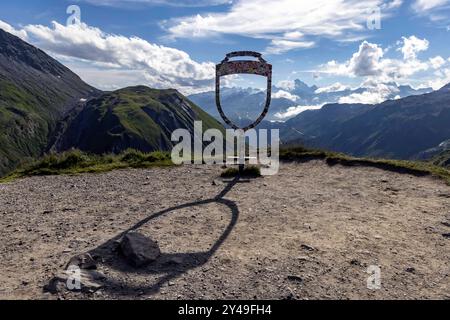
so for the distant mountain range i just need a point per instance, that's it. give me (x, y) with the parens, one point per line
(288, 101)
(46, 107)
(403, 128)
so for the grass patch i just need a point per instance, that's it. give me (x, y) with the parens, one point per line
(249, 171)
(75, 162)
(417, 168)
(442, 159)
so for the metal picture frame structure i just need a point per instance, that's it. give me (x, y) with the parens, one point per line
(257, 67)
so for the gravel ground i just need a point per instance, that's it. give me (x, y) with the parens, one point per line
(310, 232)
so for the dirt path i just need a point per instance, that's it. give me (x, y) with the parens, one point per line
(309, 232)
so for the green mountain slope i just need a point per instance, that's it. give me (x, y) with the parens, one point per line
(35, 92)
(442, 159)
(46, 107)
(135, 117)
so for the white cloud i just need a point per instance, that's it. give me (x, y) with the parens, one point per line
(437, 62)
(334, 68)
(440, 79)
(283, 22)
(98, 54)
(335, 87)
(379, 72)
(438, 11)
(365, 97)
(279, 46)
(366, 62)
(426, 5)
(8, 28)
(171, 3)
(286, 95)
(394, 4)
(374, 93)
(287, 85)
(369, 61)
(107, 78)
(293, 111)
(413, 45)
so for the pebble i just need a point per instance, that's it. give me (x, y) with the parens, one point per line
(295, 278)
(307, 247)
(410, 270)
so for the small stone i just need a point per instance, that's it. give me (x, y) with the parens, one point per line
(139, 250)
(291, 295)
(307, 247)
(303, 258)
(355, 262)
(295, 279)
(410, 270)
(446, 235)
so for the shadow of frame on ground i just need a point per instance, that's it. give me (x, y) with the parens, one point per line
(165, 266)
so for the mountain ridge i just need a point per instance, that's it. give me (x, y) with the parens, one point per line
(398, 129)
(133, 117)
(45, 107)
(35, 92)
(241, 103)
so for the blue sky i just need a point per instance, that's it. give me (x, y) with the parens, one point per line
(164, 43)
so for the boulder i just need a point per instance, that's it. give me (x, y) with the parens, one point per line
(138, 249)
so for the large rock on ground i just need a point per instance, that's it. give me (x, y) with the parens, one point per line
(138, 249)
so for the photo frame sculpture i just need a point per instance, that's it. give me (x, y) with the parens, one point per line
(257, 67)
